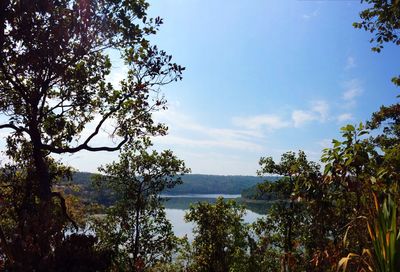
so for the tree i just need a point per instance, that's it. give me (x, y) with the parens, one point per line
(220, 241)
(136, 228)
(53, 67)
(286, 225)
(381, 18)
(361, 176)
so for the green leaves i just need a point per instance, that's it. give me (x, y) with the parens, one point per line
(381, 19)
(396, 80)
(61, 70)
(385, 236)
(350, 156)
(220, 235)
(136, 227)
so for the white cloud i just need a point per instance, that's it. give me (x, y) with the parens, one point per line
(353, 89)
(223, 142)
(118, 73)
(220, 163)
(268, 121)
(185, 131)
(325, 143)
(177, 120)
(322, 108)
(308, 16)
(318, 111)
(345, 117)
(301, 117)
(350, 63)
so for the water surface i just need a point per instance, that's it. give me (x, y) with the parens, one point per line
(178, 205)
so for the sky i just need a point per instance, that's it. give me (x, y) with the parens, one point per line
(262, 78)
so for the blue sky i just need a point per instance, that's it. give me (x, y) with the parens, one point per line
(265, 77)
(262, 78)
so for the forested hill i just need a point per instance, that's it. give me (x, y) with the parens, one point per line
(213, 184)
(196, 183)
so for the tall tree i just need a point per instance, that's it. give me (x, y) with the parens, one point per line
(136, 228)
(53, 67)
(382, 19)
(286, 226)
(220, 242)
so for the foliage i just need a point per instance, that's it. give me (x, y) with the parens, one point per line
(358, 170)
(385, 236)
(191, 184)
(183, 259)
(286, 226)
(256, 193)
(135, 228)
(77, 253)
(56, 99)
(213, 184)
(20, 229)
(220, 242)
(382, 17)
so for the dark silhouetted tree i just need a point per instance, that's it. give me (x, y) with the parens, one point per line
(53, 67)
(136, 229)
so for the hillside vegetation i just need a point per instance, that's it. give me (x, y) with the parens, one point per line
(192, 184)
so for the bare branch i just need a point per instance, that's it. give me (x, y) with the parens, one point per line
(83, 147)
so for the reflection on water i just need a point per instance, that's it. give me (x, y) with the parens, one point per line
(200, 196)
(183, 202)
(180, 227)
(176, 207)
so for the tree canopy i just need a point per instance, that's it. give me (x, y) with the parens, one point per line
(56, 98)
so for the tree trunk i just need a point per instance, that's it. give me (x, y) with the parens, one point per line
(137, 239)
(42, 175)
(39, 221)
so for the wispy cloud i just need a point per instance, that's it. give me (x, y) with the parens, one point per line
(353, 89)
(300, 117)
(186, 131)
(345, 117)
(308, 16)
(322, 108)
(350, 63)
(318, 112)
(268, 121)
(207, 142)
(325, 143)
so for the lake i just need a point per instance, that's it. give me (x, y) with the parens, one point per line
(177, 205)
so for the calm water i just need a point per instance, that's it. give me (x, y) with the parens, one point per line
(176, 207)
(201, 196)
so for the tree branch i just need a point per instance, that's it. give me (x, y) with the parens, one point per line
(84, 147)
(85, 144)
(14, 127)
(64, 208)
